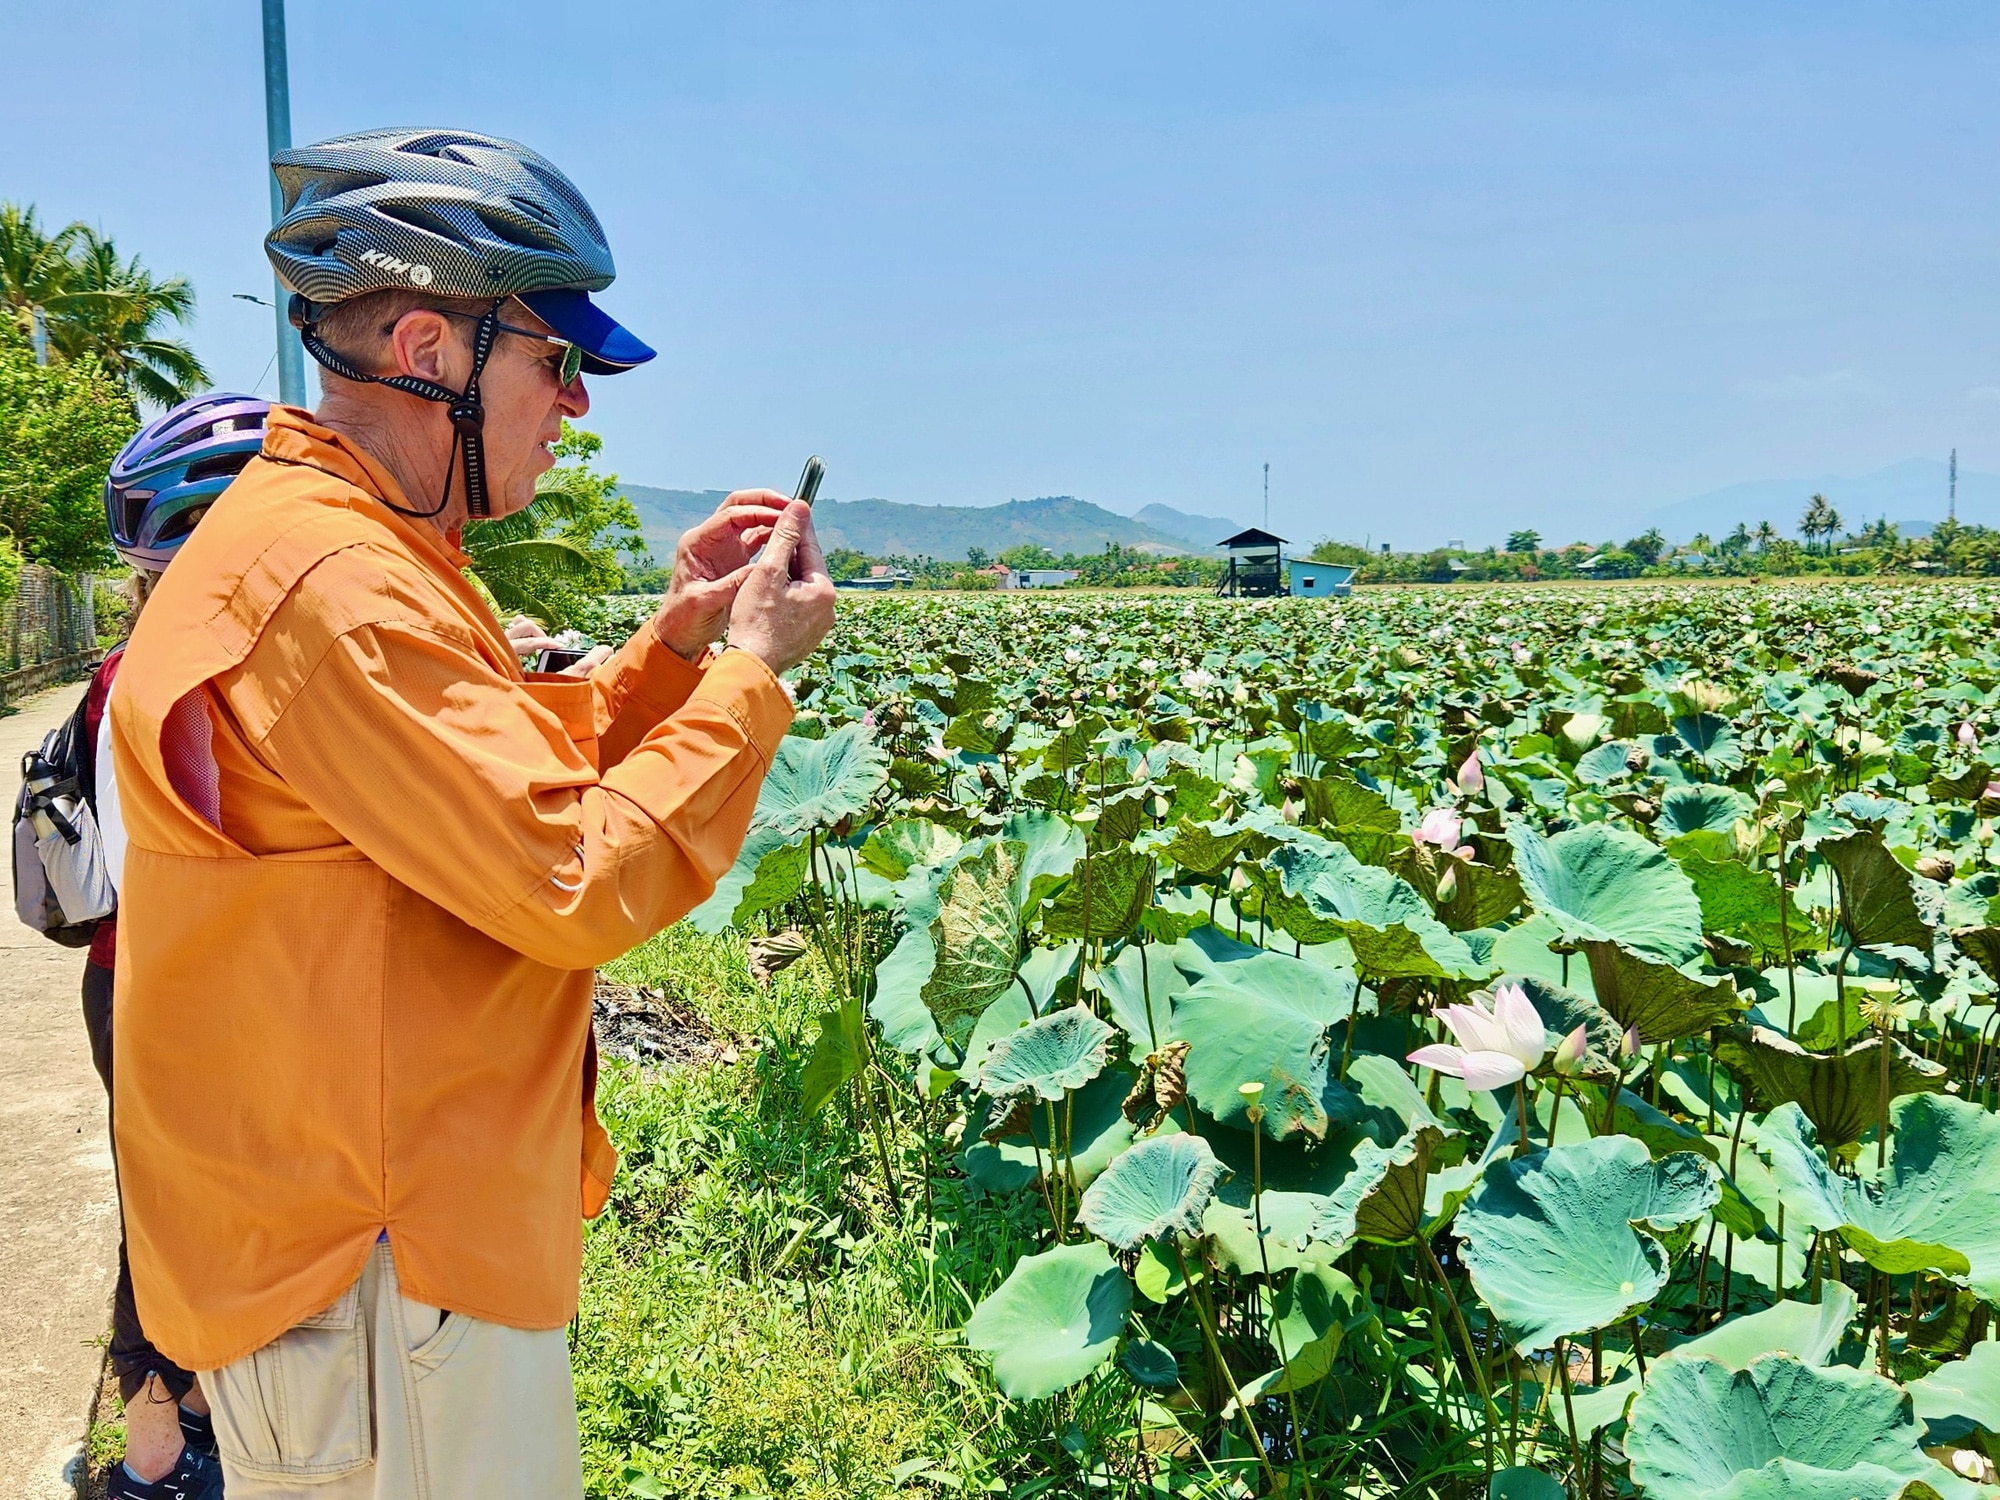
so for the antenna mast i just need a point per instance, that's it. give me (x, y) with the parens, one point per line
(1952, 513)
(1267, 494)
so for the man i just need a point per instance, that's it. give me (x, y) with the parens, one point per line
(371, 867)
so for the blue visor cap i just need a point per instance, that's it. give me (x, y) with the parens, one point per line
(609, 348)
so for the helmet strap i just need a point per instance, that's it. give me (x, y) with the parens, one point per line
(468, 413)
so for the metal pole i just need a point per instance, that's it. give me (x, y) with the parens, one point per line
(41, 336)
(278, 133)
(1267, 497)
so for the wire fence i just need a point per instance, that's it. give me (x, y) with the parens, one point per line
(47, 630)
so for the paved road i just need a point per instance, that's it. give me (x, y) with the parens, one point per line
(58, 1208)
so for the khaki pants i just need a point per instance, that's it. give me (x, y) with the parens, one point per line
(380, 1398)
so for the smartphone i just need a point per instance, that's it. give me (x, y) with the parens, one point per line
(809, 481)
(555, 658)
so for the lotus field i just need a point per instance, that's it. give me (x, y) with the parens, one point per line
(1526, 1042)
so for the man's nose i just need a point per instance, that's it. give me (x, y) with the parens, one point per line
(574, 400)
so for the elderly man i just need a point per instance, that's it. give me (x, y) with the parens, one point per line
(372, 864)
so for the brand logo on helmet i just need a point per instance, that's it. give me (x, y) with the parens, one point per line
(418, 273)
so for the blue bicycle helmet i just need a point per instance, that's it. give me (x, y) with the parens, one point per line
(163, 481)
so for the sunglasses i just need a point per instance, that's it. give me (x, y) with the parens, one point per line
(567, 367)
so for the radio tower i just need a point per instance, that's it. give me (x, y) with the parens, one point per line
(1951, 513)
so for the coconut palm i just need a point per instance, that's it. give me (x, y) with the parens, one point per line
(1766, 535)
(95, 301)
(1819, 520)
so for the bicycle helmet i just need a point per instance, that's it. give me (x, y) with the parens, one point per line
(456, 214)
(167, 476)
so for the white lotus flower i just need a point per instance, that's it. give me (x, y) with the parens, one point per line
(1471, 776)
(1968, 737)
(1198, 681)
(1495, 1047)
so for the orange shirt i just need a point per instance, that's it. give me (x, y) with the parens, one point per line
(370, 869)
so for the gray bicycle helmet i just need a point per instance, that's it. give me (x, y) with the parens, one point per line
(455, 214)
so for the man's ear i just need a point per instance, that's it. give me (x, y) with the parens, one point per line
(421, 344)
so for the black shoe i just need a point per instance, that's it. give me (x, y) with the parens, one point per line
(195, 1477)
(198, 1432)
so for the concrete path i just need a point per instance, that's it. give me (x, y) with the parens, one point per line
(58, 1208)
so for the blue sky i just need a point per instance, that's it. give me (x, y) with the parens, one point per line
(1449, 268)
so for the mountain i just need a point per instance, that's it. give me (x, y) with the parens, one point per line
(1202, 531)
(887, 528)
(1911, 493)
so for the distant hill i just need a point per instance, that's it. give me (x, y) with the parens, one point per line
(1202, 531)
(1911, 493)
(887, 528)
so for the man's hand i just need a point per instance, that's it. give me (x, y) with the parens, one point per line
(785, 605)
(527, 638)
(710, 565)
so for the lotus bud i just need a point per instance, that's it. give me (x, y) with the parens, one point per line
(1968, 737)
(1239, 881)
(1471, 777)
(1629, 1047)
(1253, 1100)
(1290, 811)
(1938, 867)
(1447, 885)
(1569, 1052)
(1158, 806)
(1967, 1464)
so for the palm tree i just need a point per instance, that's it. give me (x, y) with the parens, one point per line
(1819, 519)
(1766, 535)
(96, 302)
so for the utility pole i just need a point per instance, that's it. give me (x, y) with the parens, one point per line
(1267, 497)
(1951, 514)
(41, 336)
(278, 133)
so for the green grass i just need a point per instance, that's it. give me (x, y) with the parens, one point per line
(758, 1318)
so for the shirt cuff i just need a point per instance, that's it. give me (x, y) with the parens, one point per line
(740, 682)
(658, 679)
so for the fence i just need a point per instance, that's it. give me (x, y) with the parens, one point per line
(48, 630)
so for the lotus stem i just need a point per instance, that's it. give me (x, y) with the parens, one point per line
(1563, 1347)
(1465, 1338)
(1521, 1110)
(1207, 1320)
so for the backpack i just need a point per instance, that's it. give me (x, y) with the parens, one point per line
(62, 881)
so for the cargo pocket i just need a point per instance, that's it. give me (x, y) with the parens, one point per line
(298, 1407)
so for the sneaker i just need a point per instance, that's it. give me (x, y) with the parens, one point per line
(198, 1432)
(195, 1477)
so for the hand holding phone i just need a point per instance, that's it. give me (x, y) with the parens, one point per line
(809, 481)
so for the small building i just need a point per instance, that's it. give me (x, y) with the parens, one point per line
(1256, 565)
(1037, 578)
(1311, 580)
(879, 577)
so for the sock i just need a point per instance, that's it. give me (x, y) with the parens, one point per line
(198, 1431)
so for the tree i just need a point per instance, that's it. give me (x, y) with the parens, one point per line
(1028, 555)
(1766, 535)
(1820, 520)
(1647, 546)
(554, 559)
(95, 302)
(1738, 541)
(60, 427)
(1525, 540)
(977, 558)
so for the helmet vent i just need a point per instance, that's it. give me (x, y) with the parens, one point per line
(215, 465)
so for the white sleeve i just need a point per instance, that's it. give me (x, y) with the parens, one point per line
(110, 825)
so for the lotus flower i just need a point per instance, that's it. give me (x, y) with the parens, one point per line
(1495, 1047)
(1570, 1051)
(1471, 778)
(1440, 829)
(1968, 737)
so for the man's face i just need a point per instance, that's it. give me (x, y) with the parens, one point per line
(526, 404)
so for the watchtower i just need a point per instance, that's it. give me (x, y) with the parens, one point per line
(1256, 565)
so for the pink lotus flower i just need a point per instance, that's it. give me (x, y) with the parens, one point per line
(1440, 829)
(1968, 737)
(1993, 791)
(1471, 777)
(1569, 1052)
(1495, 1047)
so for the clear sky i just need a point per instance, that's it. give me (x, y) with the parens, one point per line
(1449, 268)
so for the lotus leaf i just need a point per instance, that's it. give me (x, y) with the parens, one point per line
(1742, 903)
(1049, 1056)
(1156, 1188)
(1699, 1428)
(1050, 848)
(1602, 883)
(1523, 1484)
(819, 783)
(1151, 1365)
(1565, 1240)
(1606, 763)
(1140, 987)
(1056, 1317)
(1104, 899)
(1391, 927)
(1267, 1019)
(902, 844)
(1096, 1128)
(1877, 902)
(976, 937)
(718, 912)
(1692, 809)
(1305, 1321)
(1382, 1198)
(1935, 1207)
(1840, 1092)
(836, 1057)
(1660, 1000)
(1961, 1395)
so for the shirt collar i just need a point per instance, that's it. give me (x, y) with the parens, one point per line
(292, 436)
